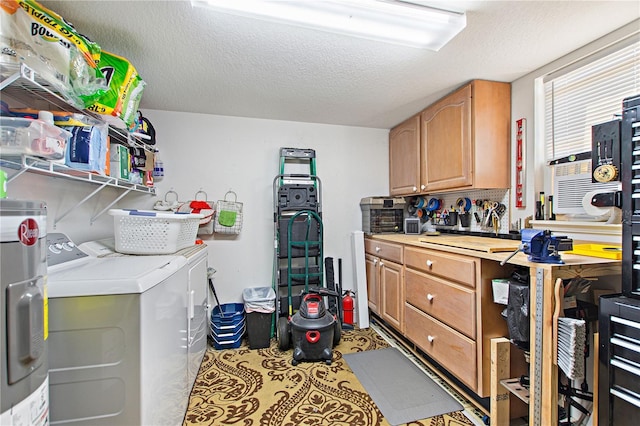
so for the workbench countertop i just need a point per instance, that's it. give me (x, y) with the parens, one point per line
(496, 249)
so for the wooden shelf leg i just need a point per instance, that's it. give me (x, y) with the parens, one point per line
(500, 362)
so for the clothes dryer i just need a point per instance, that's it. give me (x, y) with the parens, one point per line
(117, 329)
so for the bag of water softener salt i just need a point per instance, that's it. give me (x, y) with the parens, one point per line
(120, 103)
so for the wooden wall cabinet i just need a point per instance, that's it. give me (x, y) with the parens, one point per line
(404, 158)
(385, 281)
(463, 139)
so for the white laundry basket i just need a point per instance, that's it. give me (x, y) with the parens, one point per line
(151, 232)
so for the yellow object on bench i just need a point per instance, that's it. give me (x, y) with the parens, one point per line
(607, 251)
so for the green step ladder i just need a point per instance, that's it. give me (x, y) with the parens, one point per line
(298, 230)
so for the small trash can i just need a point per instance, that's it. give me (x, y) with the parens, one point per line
(259, 305)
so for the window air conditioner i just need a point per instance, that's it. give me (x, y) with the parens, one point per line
(571, 182)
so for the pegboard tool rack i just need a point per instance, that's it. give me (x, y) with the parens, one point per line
(449, 199)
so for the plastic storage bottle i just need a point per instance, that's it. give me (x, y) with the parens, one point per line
(48, 140)
(38, 137)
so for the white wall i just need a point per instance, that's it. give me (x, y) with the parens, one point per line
(215, 154)
(64, 213)
(218, 153)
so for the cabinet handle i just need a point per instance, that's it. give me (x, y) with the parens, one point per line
(377, 249)
(381, 263)
(430, 297)
(375, 261)
(423, 187)
(430, 338)
(429, 264)
(415, 189)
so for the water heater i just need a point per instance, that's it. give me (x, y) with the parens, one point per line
(24, 378)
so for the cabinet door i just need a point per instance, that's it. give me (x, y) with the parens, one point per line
(391, 293)
(404, 157)
(373, 285)
(446, 144)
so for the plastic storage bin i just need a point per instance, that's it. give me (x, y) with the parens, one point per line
(259, 304)
(228, 325)
(226, 330)
(227, 314)
(150, 232)
(32, 137)
(232, 341)
(229, 318)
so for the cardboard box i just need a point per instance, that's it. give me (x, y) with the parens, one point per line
(107, 161)
(120, 162)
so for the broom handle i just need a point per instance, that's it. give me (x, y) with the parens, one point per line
(558, 292)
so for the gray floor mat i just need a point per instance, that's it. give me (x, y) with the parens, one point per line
(402, 391)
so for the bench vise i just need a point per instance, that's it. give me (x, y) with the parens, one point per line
(542, 247)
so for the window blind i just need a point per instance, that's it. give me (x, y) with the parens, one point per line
(587, 95)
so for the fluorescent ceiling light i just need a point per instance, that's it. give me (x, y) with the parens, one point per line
(396, 22)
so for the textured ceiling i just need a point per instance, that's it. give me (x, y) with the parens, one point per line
(195, 60)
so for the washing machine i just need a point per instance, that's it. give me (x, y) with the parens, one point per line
(199, 305)
(118, 337)
(24, 378)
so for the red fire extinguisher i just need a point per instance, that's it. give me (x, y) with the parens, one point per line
(347, 306)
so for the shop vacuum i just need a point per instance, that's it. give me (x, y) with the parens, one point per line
(314, 330)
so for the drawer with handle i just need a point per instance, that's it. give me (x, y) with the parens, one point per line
(451, 304)
(449, 348)
(384, 250)
(459, 268)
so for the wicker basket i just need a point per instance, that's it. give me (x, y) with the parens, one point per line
(151, 232)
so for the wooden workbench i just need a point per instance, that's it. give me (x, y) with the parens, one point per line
(543, 407)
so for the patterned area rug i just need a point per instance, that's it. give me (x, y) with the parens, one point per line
(262, 388)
